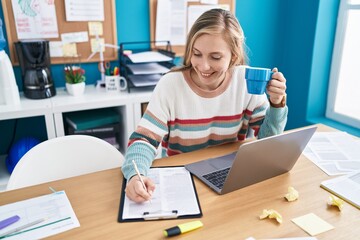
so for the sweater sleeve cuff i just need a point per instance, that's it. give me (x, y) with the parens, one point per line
(143, 154)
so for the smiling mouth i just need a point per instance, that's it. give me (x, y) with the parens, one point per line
(205, 74)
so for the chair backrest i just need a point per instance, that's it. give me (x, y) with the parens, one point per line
(64, 157)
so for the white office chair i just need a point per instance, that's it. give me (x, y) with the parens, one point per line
(64, 157)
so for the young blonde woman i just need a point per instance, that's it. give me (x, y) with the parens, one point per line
(204, 102)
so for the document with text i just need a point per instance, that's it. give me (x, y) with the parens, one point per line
(40, 217)
(346, 187)
(335, 153)
(174, 197)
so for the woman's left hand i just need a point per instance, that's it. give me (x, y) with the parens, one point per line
(276, 87)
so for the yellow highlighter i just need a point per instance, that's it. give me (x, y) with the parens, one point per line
(182, 228)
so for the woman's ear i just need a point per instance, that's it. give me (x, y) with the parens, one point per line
(233, 60)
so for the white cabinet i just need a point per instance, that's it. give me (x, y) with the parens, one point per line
(127, 104)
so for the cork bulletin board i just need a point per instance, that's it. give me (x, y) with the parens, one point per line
(179, 49)
(83, 48)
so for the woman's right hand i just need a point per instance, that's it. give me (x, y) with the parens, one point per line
(135, 190)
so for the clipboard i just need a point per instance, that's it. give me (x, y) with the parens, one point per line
(150, 210)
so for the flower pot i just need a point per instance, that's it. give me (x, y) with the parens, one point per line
(75, 89)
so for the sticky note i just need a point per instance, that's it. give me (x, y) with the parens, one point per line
(271, 213)
(69, 49)
(56, 49)
(292, 194)
(335, 201)
(95, 28)
(95, 44)
(312, 224)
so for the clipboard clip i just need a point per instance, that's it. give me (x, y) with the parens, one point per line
(160, 215)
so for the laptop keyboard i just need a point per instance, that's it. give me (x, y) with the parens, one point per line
(218, 177)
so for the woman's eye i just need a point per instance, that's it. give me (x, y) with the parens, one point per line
(216, 57)
(197, 54)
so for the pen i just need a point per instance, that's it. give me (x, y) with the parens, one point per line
(139, 176)
(182, 228)
(8, 221)
(116, 71)
(22, 227)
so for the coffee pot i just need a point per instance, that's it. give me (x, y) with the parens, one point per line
(34, 59)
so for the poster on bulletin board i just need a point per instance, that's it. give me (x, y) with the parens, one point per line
(75, 29)
(171, 20)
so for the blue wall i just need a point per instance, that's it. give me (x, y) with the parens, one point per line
(296, 36)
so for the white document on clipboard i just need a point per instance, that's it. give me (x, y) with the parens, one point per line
(53, 212)
(174, 197)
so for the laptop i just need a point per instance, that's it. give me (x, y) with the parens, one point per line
(253, 162)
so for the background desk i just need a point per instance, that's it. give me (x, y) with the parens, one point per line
(96, 197)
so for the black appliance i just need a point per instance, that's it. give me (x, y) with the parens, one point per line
(34, 59)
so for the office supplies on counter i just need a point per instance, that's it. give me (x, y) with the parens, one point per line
(34, 59)
(104, 66)
(253, 162)
(182, 228)
(175, 196)
(144, 68)
(49, 215)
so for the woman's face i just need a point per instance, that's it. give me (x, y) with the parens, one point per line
(210, 59)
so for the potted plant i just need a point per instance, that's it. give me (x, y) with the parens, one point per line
(75, 80)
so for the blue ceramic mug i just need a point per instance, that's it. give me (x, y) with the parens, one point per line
(257, 79)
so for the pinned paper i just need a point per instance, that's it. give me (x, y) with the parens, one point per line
(69, 49)
(335, 201)
(95, 28)
(95, 45)
(292, 194)
(75, 37)
(312, 224)
(56, 49)
(271, 214)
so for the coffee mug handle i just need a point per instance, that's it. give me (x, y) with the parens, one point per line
(122, 83)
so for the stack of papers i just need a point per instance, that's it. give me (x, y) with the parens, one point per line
(147, 68)
(149, 56)
(346, 187)
(334, 152)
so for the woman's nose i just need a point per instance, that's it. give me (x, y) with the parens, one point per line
(204, 65)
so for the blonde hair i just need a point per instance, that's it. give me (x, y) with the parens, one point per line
(221, 22)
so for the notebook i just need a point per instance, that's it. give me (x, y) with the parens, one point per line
(253, 162)
(346, 187)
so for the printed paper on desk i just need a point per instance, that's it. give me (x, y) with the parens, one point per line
(346, 187)
(55, 208)
(334, 152)
(174, 191)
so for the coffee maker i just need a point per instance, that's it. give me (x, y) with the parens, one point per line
(34, 59)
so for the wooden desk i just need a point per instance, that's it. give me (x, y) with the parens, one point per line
(96, 197)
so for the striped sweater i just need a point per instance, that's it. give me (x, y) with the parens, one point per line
(182, 118)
